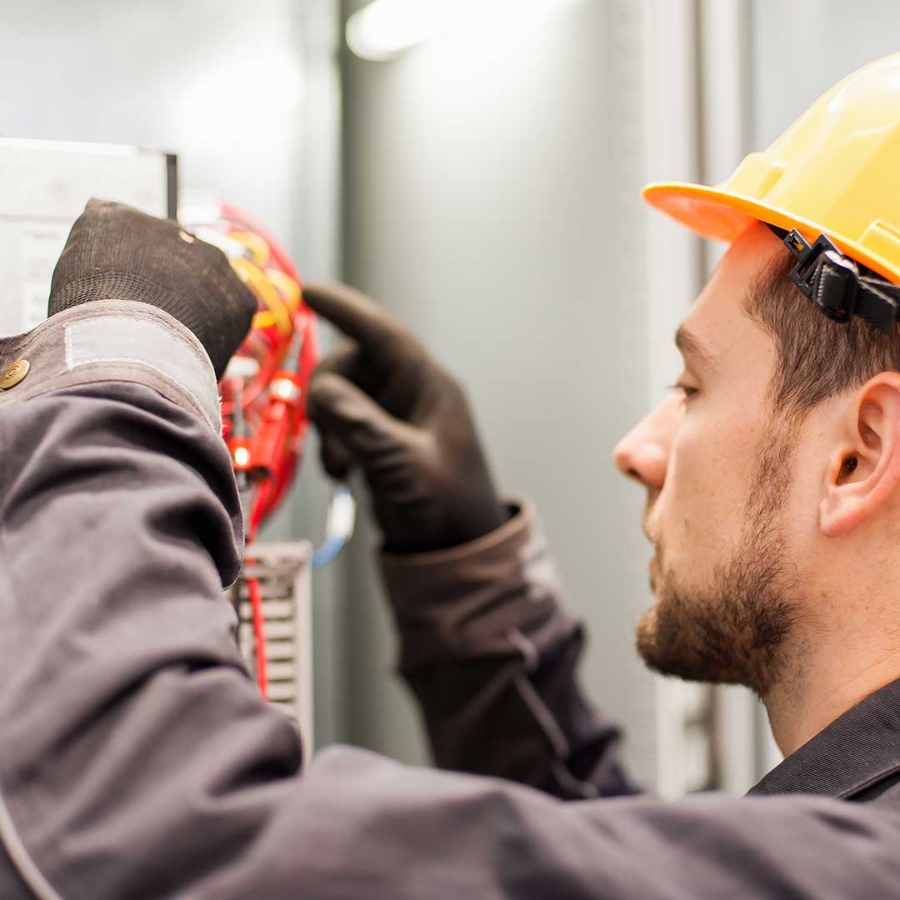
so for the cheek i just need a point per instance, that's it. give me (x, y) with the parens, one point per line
(707, 483)
(808, 477)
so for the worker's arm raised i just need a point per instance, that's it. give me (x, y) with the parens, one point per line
(486, 643)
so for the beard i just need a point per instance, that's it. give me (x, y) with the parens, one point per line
(735, 629)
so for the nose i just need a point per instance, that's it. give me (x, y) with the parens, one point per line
(643, 453)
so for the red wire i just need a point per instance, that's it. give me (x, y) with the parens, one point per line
(257, 513)
(281, 483)
(309, 353)
(261, 381)
(259, 636)
(271, 491)
(256, 604)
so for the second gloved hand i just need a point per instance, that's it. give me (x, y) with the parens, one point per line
(382, 405)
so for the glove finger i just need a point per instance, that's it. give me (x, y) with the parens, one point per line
(344, 361)
(347, 360)
(344, 413)
(336, 459)
(382, 337)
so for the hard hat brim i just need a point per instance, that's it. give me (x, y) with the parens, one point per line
(719, 214)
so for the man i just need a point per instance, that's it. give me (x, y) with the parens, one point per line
(136, 759)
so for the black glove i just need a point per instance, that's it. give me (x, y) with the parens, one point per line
(382, 404)
(115, 252)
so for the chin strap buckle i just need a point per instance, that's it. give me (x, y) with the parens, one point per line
(824, 274)
(838, 286)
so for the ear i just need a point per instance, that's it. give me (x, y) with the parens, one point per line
(864, 470)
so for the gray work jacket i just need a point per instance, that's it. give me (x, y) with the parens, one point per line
(138, 761)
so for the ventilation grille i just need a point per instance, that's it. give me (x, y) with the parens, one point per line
(283, 572)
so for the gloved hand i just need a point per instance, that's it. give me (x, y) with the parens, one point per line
(115, 252)
(380, 403)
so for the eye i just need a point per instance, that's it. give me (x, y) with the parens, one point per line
(686, 390)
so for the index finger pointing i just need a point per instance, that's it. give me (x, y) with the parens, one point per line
(360, 318)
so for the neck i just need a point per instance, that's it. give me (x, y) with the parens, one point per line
(824, 678)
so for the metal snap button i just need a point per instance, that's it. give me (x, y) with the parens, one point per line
(14, 374)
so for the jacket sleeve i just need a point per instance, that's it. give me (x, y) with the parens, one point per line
(491, 653)
(138, 761)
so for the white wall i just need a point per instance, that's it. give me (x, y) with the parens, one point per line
(802, 48)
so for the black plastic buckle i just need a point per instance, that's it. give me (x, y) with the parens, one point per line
(836, 297)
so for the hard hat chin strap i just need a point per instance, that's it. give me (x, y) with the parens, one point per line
(838, 285)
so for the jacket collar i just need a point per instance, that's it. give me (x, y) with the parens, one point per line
(853, 753)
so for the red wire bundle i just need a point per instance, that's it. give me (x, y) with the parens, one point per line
(265, 413)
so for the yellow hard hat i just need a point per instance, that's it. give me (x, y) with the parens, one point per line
(834, 172)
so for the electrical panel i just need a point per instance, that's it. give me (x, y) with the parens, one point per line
(44, 186)
(283, 572)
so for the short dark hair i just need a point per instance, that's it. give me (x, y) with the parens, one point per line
(817, 358)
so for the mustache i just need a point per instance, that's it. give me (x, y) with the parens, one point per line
(649, 533)
(645, 525)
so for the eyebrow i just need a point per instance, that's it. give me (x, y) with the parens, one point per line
(690, 345)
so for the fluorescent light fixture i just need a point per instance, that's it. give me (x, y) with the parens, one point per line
(385, 28)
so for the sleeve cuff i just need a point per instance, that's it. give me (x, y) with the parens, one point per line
(113, 340)
(472, 600)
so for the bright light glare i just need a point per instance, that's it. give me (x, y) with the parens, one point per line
(385, 28)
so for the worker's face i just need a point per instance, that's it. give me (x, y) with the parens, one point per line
(717, 469)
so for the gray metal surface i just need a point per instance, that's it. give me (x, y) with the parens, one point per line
(483, 188)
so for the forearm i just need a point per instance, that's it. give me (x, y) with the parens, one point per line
(492, 655)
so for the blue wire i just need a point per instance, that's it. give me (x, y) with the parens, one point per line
(328, 552)
(334, 543)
